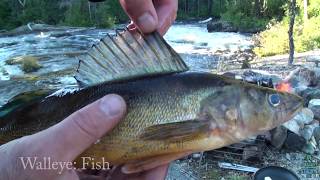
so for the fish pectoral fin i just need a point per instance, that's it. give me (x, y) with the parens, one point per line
(128, 55)
(176, 130)
(152, 162)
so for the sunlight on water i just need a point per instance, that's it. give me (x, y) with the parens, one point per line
(196, 39)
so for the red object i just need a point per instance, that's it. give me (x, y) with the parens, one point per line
(284, 87)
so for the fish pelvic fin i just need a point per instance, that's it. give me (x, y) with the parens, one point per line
(177, 130)
(152, 162)
(127, 55)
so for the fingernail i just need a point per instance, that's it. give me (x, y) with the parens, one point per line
(147, 23)
(112, 105)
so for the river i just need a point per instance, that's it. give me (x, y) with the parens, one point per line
(192, 41)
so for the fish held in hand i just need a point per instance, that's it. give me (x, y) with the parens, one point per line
(171, 112)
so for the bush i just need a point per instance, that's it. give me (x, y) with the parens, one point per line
(275, 41)
(309, 39)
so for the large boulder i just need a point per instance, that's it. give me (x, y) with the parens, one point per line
(220, 26)
(310, 93)
(316, 134)
(314, 105)
(295, 142)
(297, 123)
(278, 136)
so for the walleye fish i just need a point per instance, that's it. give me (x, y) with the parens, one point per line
(171, 112)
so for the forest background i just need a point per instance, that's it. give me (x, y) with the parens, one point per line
(271, 16)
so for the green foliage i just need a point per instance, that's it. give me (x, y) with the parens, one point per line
(275, 41)
(77, 15)
(104, 14)
(309, 37)
(314, 8)
(252, 14)
(72, 12)
(237, 177)
(5, 12)
(242, 21)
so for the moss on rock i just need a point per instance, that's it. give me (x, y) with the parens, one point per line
(30, 64)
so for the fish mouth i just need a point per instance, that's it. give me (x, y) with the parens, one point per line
(294, 105)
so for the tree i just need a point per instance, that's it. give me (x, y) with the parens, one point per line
(305, 10)
(292, 10)
(210, 7)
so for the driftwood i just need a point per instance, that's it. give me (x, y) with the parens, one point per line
(32, 28)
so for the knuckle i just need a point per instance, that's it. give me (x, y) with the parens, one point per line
(85, 124)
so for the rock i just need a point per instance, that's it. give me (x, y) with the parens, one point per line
(213, 27)
(60, 34)
(293, 126)
(310, 93)
(220, 26)
(294, 142)
(252, 153)
(302, 77)
(314, 105)
(313, 142)
(308, 148)
(307, 132)
(316, 134)
(196, 155)
(278, 136)
(30, 64)
(298, 123)
(305, 116)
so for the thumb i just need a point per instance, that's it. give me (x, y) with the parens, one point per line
(81, 129)
(142, 13)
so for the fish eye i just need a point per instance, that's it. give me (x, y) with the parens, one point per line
(274, 99)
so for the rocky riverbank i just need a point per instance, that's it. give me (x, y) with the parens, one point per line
(224, 26)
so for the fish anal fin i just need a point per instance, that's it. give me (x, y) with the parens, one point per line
(152, 162)
(177, 130)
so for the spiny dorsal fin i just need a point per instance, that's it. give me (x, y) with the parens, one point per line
(128, 55)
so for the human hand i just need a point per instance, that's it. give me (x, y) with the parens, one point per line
(63, 142)
(151, 15)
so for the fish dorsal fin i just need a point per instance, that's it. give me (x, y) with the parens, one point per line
(128, 55)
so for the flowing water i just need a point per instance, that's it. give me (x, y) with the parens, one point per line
(191, 41)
